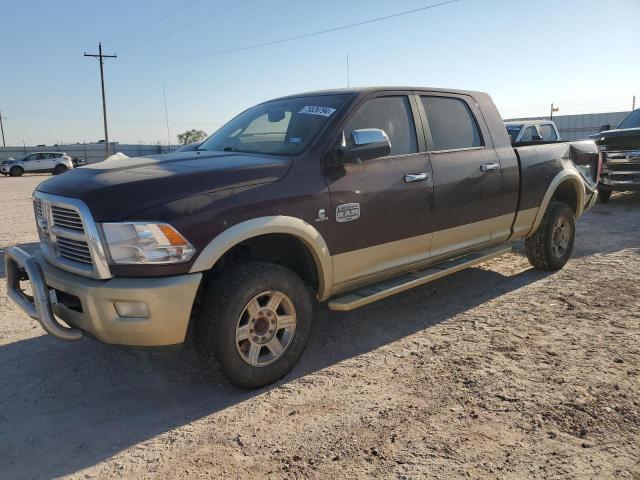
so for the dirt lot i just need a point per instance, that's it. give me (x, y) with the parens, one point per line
(500, 371)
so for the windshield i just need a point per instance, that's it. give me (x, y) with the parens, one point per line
(512, 131)
(632, 121)
(279, 127)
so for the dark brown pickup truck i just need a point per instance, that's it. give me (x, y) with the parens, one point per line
(343, 196)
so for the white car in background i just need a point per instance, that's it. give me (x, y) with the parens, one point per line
(40, 162)
(532, 131)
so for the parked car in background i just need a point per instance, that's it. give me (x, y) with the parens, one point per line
(78, 162)
(40, 162)
(620, 149)
(344, 196)
(532, 131)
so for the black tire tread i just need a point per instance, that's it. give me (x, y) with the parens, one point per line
(536, 244)
(217, 295)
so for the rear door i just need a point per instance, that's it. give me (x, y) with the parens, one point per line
(467, 177)
(388, 200)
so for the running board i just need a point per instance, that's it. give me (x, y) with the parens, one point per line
(378, 291)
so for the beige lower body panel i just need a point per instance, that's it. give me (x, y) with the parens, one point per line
(373, 264)
(168, 299)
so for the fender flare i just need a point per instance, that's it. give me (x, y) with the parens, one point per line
(566, 175)
(281, 224)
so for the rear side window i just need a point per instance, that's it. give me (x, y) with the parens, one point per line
(548, 132)
(451, 122)
(528, 134)
(391, 114)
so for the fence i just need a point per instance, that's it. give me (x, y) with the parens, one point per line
(91, 152)
(578, 127)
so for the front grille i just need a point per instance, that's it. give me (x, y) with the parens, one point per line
(623, 167)
(67, 218)
(69, 236)
(74, 250)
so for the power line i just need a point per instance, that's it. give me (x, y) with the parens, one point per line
(101, 57)
(307, 35)
(191, 24)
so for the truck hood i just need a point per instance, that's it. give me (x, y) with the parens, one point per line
(619, 139)
(117, 188)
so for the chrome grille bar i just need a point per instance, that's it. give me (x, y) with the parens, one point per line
(69, 236)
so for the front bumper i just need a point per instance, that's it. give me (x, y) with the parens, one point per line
(92, 307)
(621, 170)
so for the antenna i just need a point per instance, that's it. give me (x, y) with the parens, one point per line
(166, 115)
(348, 73)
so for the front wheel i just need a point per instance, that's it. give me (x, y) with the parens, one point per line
(16, 171)
(550, 247)
(253, 323)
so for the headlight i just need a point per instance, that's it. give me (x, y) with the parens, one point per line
(146, 243)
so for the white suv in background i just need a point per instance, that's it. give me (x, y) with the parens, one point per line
(40, 162)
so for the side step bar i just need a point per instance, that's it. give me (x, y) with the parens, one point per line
(378, 291)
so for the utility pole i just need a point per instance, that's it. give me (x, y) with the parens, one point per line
(633, 104)
(553, 109)
(2, 129)
(101, 57)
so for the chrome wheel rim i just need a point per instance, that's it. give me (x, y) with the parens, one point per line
(266, 328)
(560, 237)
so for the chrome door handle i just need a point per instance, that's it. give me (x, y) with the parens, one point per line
(416, 177)
(488, 167)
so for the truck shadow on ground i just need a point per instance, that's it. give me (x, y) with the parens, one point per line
(68, 406)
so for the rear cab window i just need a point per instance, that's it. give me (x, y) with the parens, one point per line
(452, 123)
(548, 132)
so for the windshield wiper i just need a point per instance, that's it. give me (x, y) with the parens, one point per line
(230, 149)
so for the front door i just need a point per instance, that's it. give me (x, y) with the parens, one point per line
(382, 216)
(467, 175)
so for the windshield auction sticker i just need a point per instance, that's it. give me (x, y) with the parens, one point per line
(317, 110)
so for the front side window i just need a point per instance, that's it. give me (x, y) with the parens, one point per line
(278, 127)
(391, 114)
(528, 134)
(548, 132)
(452, 123)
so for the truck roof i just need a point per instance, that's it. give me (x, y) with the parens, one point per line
(364, 90)
(528, 122)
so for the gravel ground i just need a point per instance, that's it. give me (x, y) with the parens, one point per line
(500, 371)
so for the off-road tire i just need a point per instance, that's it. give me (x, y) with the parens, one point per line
(16, 171)
(59, 169)
(539, 246)
(604, 194)
(222, 303)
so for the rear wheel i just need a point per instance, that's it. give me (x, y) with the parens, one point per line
(16, 171)
(551, 246)
(604, 193)
(59, 169)
(253, 323)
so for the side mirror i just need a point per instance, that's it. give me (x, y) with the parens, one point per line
(606, 126)
(366, 144)
(536, 138)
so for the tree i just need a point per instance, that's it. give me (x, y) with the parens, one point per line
(191, 136)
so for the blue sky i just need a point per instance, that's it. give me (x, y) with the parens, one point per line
(582, 55)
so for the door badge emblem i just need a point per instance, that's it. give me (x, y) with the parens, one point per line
(347, 212)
